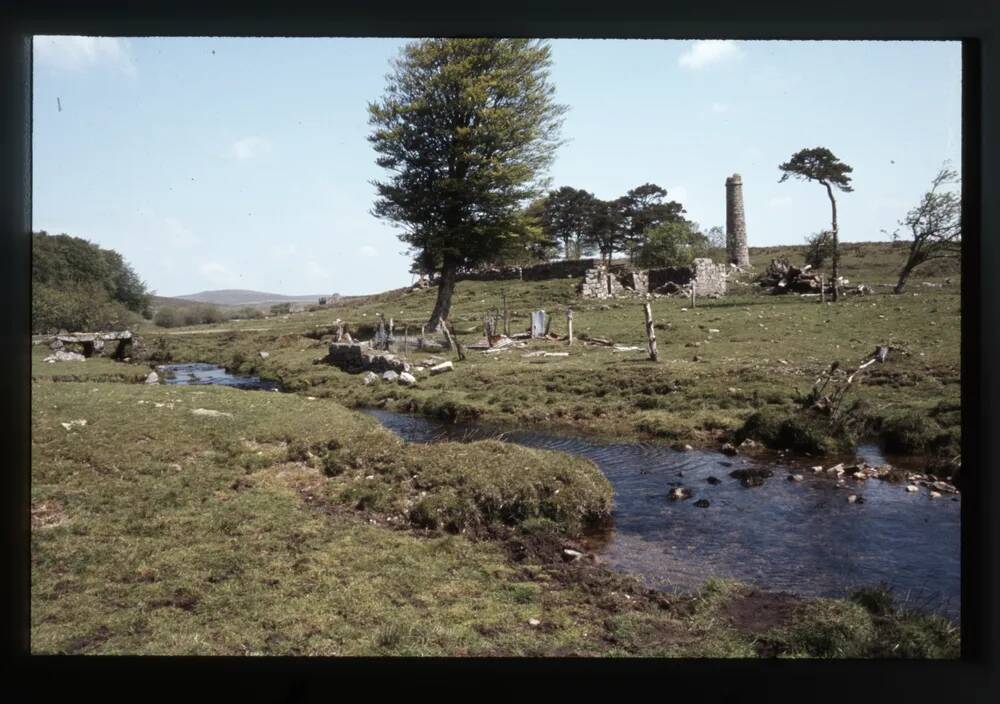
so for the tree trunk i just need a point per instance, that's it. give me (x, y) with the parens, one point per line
(904, 274)
(446, 287)
(836, 244)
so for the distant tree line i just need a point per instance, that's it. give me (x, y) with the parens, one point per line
(642, 224)
(78, 286)
(176, 316)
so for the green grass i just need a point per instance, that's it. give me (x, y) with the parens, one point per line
(157, 530)
(768, 350)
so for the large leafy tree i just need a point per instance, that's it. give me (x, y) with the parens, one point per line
(466, 128)
(566, 216)
(935, 225)
(643, 209)
(820, 165)
(607, 229)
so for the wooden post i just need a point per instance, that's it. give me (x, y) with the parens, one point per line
(506, 313)
(650, 334)
(569, 326)
(822, 289)
(452, 341)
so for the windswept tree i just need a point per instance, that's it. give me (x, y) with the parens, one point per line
(643, 209)
(466, 128)
(935, 225)
(566, 216)
(820, 165)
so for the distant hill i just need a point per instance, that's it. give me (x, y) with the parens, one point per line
(242, 297)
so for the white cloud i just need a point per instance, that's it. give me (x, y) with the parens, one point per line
(368, 251)
(219, 274)
(74, 54)
(720, 107)
(709, 51)
(250, 147)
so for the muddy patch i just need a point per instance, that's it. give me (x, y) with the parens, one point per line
(47, 514)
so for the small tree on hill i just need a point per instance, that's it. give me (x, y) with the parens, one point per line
(935, 225)
(819, 164)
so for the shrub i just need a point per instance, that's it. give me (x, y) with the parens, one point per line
(672, 244)
(819, 248)
(281, 309)
(799, 431)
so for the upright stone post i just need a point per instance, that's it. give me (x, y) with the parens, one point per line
(736, 225)
(569, 327)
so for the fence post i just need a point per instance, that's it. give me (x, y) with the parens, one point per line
(650, 333)
(569, 326)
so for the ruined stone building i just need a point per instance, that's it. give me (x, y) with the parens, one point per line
(736, 224)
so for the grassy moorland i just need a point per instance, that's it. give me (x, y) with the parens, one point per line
(747, 356)
(208, 520)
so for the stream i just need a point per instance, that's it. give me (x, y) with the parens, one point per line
(800, 537)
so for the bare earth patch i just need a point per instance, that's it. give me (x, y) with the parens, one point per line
(47, 514)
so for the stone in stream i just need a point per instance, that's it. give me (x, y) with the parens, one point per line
(702, 503)
(680, 493)
(795, 477)
(728, 448)
(935, 495)
(751, 477)
(911, 488)
(713, 480)
(855, 499)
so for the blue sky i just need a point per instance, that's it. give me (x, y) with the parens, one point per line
(243, 163)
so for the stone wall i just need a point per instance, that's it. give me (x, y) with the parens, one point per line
(599, 283)
(561, 269)
(356, 357)
(710, 277)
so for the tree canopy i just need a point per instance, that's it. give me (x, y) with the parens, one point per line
(934, 224)
(818, 164)
(466, 129)
(78, 285)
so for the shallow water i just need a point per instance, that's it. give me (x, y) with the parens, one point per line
(201, 373)
(801, 537)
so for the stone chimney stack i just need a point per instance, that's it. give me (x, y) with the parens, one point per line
(736, 224)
